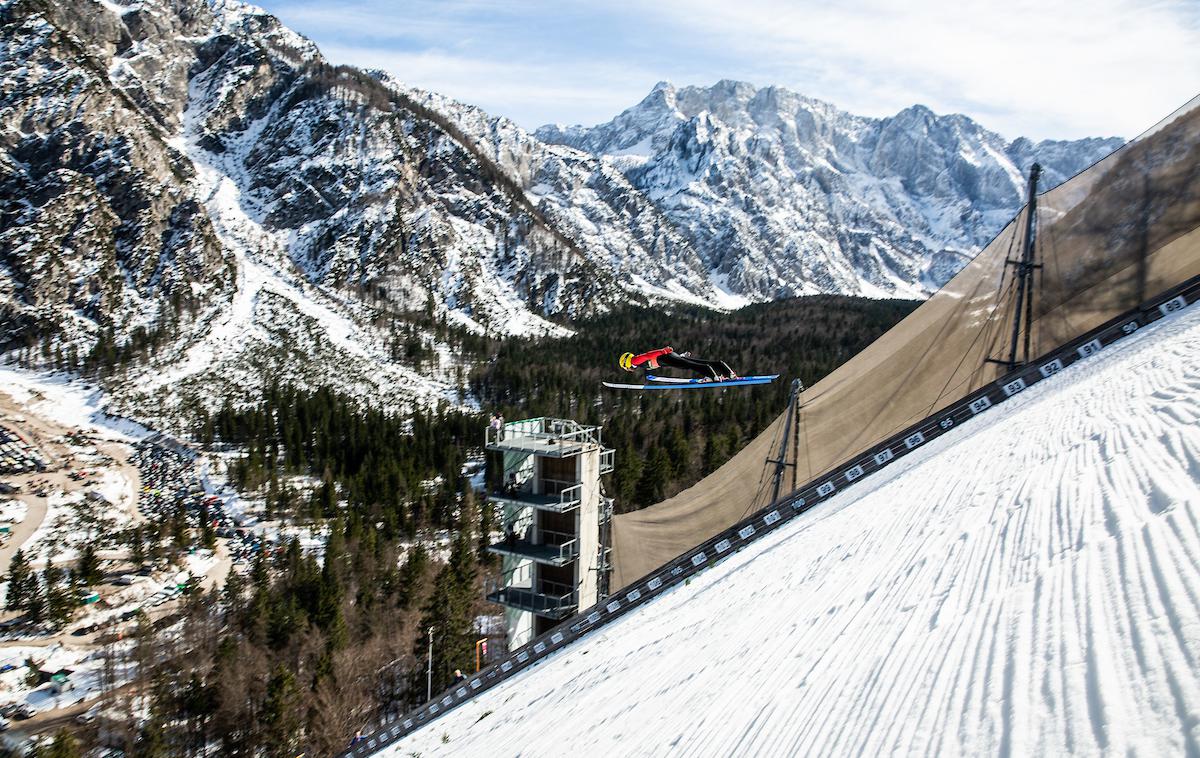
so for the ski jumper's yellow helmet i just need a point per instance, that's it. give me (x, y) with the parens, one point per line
(626, 361)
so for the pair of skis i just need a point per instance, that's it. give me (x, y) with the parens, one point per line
(672, 383)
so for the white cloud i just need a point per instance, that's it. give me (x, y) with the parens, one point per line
(1061, 69)
(1064, 69)
(527, 92)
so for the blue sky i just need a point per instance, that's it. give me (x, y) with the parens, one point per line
(1037, 68)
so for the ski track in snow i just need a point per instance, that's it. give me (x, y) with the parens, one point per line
(1028, 584)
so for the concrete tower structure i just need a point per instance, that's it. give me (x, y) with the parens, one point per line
(556, 521)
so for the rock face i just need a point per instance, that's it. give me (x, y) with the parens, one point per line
(780, 194)
(101, 225)
(192, 197)
(189, 183)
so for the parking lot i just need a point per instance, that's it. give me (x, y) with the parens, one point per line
(17, 456)
(171, 483)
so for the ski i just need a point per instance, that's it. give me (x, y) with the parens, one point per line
(688, 384)
(678, 380)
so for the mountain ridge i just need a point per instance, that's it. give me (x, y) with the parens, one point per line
(888, 206)
(195, 201)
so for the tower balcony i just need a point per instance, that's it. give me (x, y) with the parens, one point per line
(607, 460)
(551, 549)
(549, 599)
(548, 437)
(560, 498)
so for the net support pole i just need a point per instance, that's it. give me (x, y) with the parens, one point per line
(793, 411)
(1024, 304)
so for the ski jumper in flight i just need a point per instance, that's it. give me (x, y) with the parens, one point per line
(668, 358)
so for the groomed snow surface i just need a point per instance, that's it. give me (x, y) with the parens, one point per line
(1028, 584)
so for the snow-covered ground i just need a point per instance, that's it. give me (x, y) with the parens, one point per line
(68, 401)
(1028, 584)
(12, 511)
(90, 674)
(73, 520)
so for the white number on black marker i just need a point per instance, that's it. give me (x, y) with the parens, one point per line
(1051, 368)
(980, 404)
(1172, 305)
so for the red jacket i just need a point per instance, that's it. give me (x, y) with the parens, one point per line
(651, 357)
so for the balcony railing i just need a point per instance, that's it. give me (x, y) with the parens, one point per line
(548, 598)
(545, 436)
(559, 497)
(551, 548)
(607, 460)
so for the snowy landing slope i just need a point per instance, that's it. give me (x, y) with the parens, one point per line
(1029, 584)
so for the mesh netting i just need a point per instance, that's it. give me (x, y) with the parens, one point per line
(1116, 234)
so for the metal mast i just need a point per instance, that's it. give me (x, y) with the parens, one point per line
(793, 413)
(1023, 307)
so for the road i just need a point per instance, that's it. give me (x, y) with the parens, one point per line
(49, 437)
(23, 531)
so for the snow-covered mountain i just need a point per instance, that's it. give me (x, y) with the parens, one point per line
(191, 196)
(781, 194)
(188, 185)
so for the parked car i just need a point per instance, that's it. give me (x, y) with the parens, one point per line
(88, 716)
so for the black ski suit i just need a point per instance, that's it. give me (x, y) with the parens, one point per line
(711, 369)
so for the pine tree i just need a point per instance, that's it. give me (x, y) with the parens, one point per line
(35, 602)
(280, 714)
(19, 578)
(64, 746)
(449, 612)
(137, 546)
(152, 740)
(89, 565)
(628, 472)
(235, 587)
(680, 453)
(328, 615)
(59, 603)
(653, 483)
(411, 574)
(487, 524)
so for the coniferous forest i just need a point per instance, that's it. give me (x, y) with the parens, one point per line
(667, 441)
(305, 650)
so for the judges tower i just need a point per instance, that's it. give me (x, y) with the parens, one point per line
(556, 520)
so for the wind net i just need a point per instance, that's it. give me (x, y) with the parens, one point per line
(1118, 233)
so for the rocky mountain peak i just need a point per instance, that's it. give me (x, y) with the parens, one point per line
(191, 194)
(784, 194)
